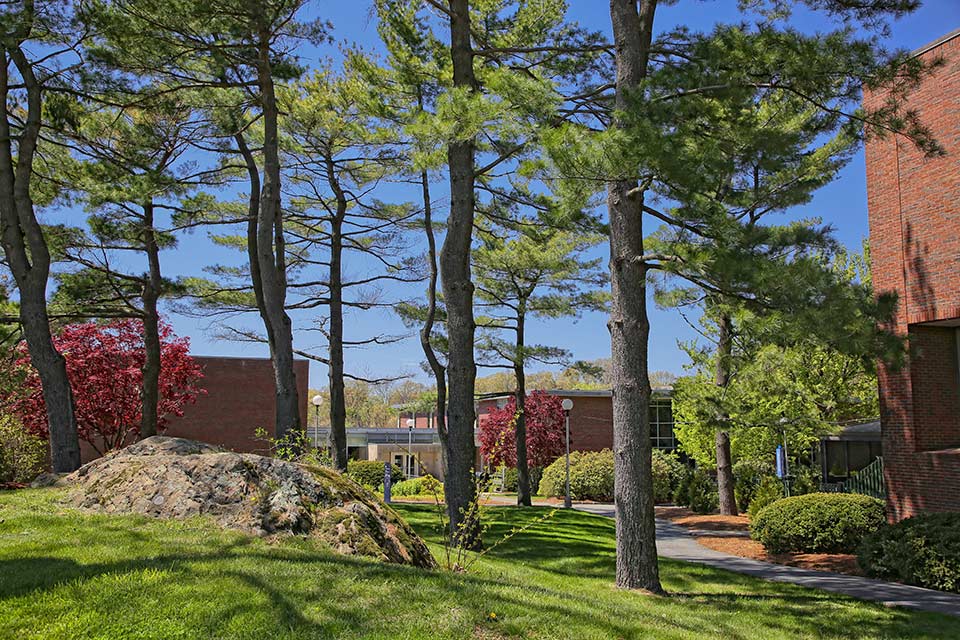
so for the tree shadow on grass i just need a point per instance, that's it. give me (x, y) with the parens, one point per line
(567, 576)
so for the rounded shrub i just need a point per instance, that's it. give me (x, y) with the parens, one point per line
(425, 485)
(591, 476)
(817, 523)
(370, 472)
(923, 550)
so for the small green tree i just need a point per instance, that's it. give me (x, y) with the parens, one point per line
(531, 274)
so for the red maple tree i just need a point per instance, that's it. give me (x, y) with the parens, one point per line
(104, 364)
(545, 431)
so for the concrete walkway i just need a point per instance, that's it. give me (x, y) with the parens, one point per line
(677, 543)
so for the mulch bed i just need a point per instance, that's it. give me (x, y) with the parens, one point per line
(747, 548)
(835, 562)
(702, 522)
(9, 486)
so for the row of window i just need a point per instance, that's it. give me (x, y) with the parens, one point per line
(661, 425)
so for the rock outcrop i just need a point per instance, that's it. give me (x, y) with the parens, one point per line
(176, 478)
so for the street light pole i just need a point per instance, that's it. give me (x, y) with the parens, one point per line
(410, 424)
(567, 405)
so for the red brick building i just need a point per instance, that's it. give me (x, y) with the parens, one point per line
(239, 398)
(914, 205)
(591, 419)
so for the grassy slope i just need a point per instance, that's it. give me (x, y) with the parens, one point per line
(68, 575)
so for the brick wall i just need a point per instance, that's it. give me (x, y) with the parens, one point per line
(240, 397)
(915, 250)
(591, 422)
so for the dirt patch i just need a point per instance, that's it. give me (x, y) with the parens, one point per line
(745, 548)
(703, 522)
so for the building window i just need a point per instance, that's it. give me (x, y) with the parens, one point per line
(661, 424)
(407, 464)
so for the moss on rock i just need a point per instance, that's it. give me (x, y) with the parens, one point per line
(176, 478)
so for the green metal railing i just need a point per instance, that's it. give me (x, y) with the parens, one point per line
(868, 481)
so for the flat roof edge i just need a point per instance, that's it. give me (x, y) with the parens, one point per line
(936, 43)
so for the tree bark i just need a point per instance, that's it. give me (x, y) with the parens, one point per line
(426, 331)
(523, 469)
(338, 410)
(270, 253)
(459, 482)
(629, 327)
(725, 480)
(28, 257)
(150, 386)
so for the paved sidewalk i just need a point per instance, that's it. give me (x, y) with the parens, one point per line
(677, 543)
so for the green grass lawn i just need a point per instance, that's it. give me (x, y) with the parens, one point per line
(69, 575)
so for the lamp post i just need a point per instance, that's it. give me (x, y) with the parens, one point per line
(317, 400)
(410, 424)
(567, 404)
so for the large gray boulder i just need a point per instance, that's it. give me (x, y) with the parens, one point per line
(176, 478)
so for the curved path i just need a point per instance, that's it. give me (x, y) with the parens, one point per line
(677, 543)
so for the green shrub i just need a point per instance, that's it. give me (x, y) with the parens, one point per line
(767, 492)
(370, 472)
(805, 480)
(423, 486)
(591, 476)
(747, 477)
(698, 491)
(817, 523)
(923, 550)
(22, 455)
(667, 472)
(511, 479)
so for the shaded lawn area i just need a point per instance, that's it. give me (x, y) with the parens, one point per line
(64, 574)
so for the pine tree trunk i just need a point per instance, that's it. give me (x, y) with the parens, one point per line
(426, 331)
(629, 328)
(150, 385)
(28, 258)
(271, 257)
(725, 480)
(523, 469)
(52, 369)
(338, 405)
(459, 481)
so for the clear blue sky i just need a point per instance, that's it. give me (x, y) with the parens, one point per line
(842, 204)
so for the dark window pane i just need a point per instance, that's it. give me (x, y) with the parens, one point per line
(836, 461)
(666, 411)
(859, 455)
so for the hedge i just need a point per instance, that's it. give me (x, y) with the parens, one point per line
(591, 476)
(423, 486)
(817, 523)
(370, 472)
(923, 550)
